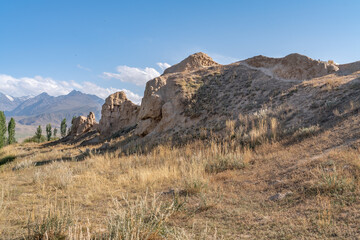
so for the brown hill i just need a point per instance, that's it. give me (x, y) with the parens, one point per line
(198, 96)
(265, 149)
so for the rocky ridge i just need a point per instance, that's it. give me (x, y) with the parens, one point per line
(293, 66)
(199, 95)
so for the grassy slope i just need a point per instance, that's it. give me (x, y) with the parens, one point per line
(221, 190)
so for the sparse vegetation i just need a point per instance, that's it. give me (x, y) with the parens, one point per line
(207, 180)
(140, 219)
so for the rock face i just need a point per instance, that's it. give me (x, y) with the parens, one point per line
(117, 113)
(83, 124)
(293, 66)
(165, 97)
(193, 62)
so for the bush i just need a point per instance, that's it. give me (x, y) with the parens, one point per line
(139, 219)
(306, 132)
(52, 225)
(223, 163)
(35, 139)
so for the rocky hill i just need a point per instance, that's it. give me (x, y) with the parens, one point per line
(265, 148)
(199, 96)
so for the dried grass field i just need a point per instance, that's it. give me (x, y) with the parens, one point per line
(302, 186)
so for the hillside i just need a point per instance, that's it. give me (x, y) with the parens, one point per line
(264, 148)
(189, 101)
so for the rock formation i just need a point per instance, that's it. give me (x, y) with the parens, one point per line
(193, 62)
(165, 97)
(199, 95)
(83, 124)
(117, 113)
(293, 66)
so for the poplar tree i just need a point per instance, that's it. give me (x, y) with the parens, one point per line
(38, 134)
(63, 127)
(48, 132)
(11, 131)
(2, 129)
(55, 132)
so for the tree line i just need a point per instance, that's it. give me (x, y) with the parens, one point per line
(51, 134)
(9, 128)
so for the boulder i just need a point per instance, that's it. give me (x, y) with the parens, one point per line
(83, 124)
(117, 113)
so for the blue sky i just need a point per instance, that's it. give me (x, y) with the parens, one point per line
(103, 46)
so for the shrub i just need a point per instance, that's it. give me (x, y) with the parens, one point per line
(223, 163)
(54, 224)
(139, 219)
(306, 132)
(34, 139)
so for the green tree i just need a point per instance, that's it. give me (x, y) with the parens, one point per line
(38, 134)
(55, 132)
(11, 131)
(63, 127)
(2, 129)
(48, 132)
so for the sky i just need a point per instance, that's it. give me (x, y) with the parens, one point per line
(100, 47)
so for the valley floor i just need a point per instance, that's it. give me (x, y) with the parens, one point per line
(303, 189)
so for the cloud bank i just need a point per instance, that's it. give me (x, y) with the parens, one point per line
(137, 76)
(27, 86)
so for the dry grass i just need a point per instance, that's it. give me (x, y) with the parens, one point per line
(212, 190)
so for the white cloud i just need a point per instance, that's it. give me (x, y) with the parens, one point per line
(83, 68)
(91, 88)
(223, 59)
(163, 66)
(26, 86)
(134, 75)
(31, 86)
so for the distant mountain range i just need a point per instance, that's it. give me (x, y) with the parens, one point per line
(8, 103)
(43, 109)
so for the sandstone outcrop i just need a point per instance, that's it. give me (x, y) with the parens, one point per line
(165, 97)
(117, 113)
(198, 96)
(293, 66)
(193, 62)
(83, 124)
